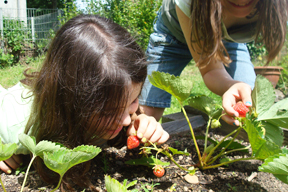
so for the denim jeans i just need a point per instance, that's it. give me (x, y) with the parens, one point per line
(166, 54)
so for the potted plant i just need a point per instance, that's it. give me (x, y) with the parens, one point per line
(272, 73)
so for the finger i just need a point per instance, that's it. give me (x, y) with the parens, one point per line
(157, 134)
(165, 136)
(150, 130)
(131, 130)
(5, 167)
(245, 94)
(12, 163)
(230, 120)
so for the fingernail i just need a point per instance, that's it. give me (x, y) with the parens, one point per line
(9, 171)
(248, 103)
(140, 135)
(234, 124)
(143, 140)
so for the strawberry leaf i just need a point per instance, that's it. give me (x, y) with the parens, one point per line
(113, 185)
(147, 161)
(261, 148)
(273, 133)
(62, 160)
(263, 96)
(46, 146)
(176, 86)
(277, 165)
(205, 104)
(7, 150)
(176, 152)
(28, 141)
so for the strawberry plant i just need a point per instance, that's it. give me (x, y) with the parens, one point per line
(263, 123)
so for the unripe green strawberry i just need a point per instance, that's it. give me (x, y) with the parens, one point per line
(158, 171)
(241, 109)
(132, 142)
(215, 123)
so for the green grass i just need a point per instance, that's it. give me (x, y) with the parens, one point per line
(10, 76)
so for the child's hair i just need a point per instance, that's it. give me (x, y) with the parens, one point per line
(83, 83)
(271, 27)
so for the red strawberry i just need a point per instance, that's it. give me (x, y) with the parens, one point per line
(241, 109)
(133, 142)
(158, 171)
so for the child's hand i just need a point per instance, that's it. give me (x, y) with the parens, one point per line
(237, 92)
(148, 128)
(12, 163)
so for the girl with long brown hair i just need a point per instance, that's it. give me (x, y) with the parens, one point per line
(214, 33)
(86, 92)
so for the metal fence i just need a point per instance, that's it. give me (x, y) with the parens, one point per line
(34, 23)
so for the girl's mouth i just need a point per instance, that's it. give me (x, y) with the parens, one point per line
(247, 4)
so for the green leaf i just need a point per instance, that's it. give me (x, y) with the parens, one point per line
(112, 185)
(205, 104)
(7, 150)
(284, 150)
(62, 160)
(147, 161)
(176, 152)
(28, 141)
(276, 114)
(277, 165)
(273, 133)
(261, 148)
(46, 146)
(263, 95)
(176, 86)
(132, 183)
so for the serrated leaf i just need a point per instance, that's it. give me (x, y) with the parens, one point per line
(277, 165)
(273, 133)
(147, 161)
(205, 104)
(28, 141)
(176, 152)
(62, 160)
(263, 95)
(284, 150)
(176, 86)
(261, 148)
(112, 185)
(45, 146)
(7, 150)
(277, 114)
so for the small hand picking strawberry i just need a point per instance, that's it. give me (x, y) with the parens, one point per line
(133, 142)
(158, 171)
(241, 109)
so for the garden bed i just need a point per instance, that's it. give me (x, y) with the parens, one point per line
(240, 176)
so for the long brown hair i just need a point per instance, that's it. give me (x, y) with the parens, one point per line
(206, 26)
(83, 84)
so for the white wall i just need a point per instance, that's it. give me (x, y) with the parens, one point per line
(14, 8)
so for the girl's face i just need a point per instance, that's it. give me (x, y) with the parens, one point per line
(238, 8)
(131, 108)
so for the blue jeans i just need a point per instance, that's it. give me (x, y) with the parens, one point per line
(166, 54)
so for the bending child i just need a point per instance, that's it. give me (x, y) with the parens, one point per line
(86, 92)
(213, 33)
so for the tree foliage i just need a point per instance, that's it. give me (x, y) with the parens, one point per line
(48, 4)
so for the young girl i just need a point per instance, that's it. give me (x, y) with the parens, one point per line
(208, 31)
(85, 93)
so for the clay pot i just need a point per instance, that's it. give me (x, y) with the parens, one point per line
(272, 73)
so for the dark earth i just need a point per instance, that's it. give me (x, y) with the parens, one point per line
(240, 176)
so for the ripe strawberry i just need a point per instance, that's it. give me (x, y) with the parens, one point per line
(158, 171)
(132, 142)
(241, 109)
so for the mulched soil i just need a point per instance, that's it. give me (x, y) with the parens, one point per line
(240, 176)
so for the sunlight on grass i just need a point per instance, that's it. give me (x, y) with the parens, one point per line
(12, 75)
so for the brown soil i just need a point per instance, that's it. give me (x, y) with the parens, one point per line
(240, 176)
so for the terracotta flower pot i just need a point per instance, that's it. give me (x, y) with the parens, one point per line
(272, 73)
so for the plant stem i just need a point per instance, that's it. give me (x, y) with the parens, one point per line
(61, 176)
(27, 171)
(193, 135)
(212, 151)
(172, 159)
(206, 135)
(223, 150)
(228, 162)
(2, 185)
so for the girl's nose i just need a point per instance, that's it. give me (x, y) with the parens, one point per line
(126, 119)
